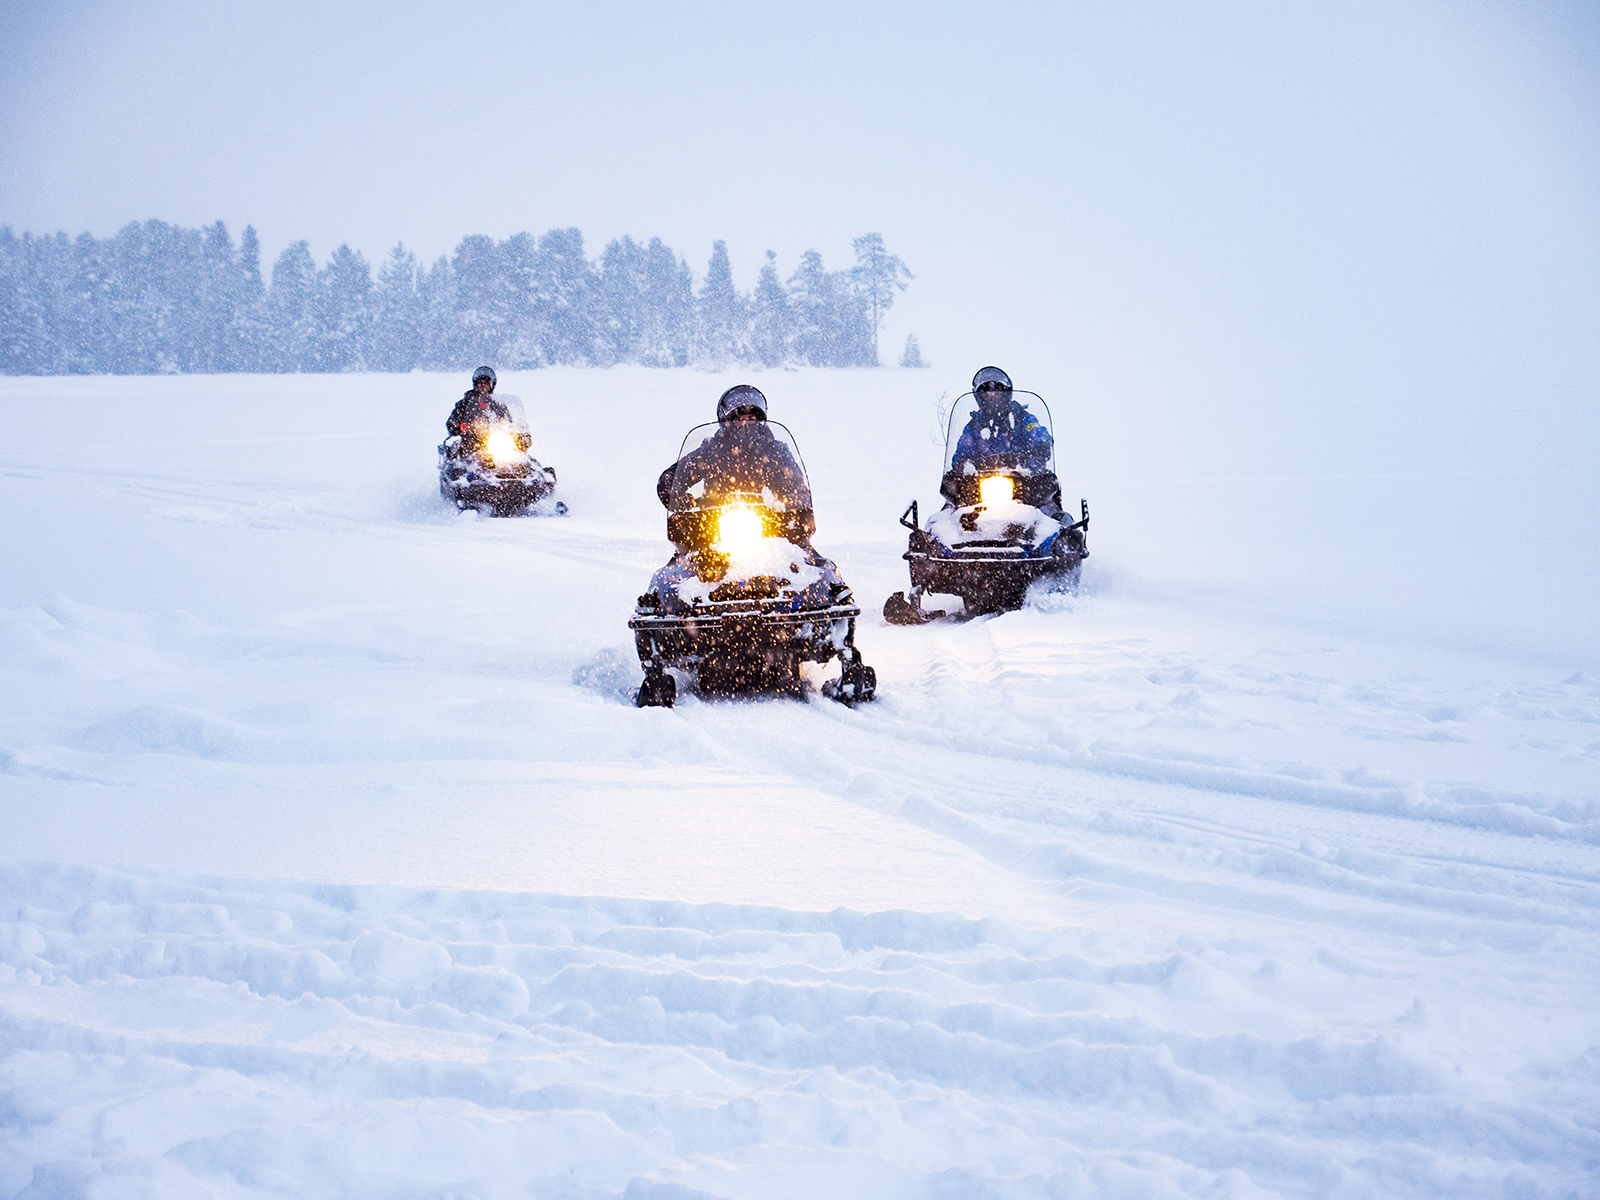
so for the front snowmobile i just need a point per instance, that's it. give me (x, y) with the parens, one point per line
(745, 598)
(488, 467)
(1002, 526)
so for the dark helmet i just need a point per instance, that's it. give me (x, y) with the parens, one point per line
(992, 386)
(484, 372)
(741, 398)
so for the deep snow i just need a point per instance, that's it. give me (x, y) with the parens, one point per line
(337, 864)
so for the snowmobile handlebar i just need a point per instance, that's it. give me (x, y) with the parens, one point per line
(697, 528)
(1038, 488)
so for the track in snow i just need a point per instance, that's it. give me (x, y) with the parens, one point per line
(333, 839)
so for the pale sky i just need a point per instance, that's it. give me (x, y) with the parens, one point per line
(1254, 204)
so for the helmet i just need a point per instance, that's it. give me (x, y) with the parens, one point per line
(484, 373)
(991, 375)
(992, 386)
(741, 397)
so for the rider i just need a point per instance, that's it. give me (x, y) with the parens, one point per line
(1001, 428)
(743, 455)
(477, 404)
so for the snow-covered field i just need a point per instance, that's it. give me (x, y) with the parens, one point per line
(336, 863)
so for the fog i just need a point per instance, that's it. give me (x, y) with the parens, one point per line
(1347, 248)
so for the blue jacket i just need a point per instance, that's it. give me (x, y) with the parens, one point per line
(1017, 439)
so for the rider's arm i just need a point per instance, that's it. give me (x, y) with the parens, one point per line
(1040, 443)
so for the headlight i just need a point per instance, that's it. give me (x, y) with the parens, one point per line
(997, 489)
(500, 445)
(738, 527)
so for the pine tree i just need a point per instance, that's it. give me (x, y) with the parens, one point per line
(77, 292)
(877, 276)
(441, 334)
(721, 327)
(566, 299)
(397, 314)
(344, 312)
(772, 332)
(911, 356)
(619, 318)
(668, 317)
(292, 312)
(30, 302)
(249, 306)
(219, 294)
(812, 300)
(831, 325)
(485, 293)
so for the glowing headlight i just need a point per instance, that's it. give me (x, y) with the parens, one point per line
(739, 527)
(501, 445)
(997, 489)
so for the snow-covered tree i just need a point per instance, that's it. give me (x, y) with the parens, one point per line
(877, 276)
(668, 304)
(292, 312)
(487, 282)
(831, 325)
(772, 327)
(396, 314)
(567, 291)
(911, 356)
(441, 336)
(249, 340)
(721, 326)
(344, 312)
(619, 319)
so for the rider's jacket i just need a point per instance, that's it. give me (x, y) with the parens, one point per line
(473, 407)
(742, 456)
(1017, 438)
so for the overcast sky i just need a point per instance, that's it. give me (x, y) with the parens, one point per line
(1251, 204)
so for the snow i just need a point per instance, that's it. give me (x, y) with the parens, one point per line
(1001, 520)
(782, 560)
(336, 862)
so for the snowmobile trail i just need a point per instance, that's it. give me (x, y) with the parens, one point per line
(332, 836)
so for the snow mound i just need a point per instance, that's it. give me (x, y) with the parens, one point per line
(163, 729)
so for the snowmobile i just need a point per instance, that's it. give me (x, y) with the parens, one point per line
(745, 598)
(1002, 526)
(488, 467)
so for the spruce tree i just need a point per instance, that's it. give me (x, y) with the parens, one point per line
(486, 313)
(772, 328)
(219, 294)
(911, 356)
(344, 312)
(292, 312)
(810, 300)
(668, 316)
(566, 299)
(720, 326)
(249, 306)
(441, 335)
(619, 320)
(397, 314)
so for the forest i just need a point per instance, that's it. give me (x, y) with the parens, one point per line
(157, 298)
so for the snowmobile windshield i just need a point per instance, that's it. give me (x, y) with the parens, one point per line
(514, 406)
(743, 459)
(1012, 435)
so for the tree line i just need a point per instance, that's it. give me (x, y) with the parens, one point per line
(157, 298)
